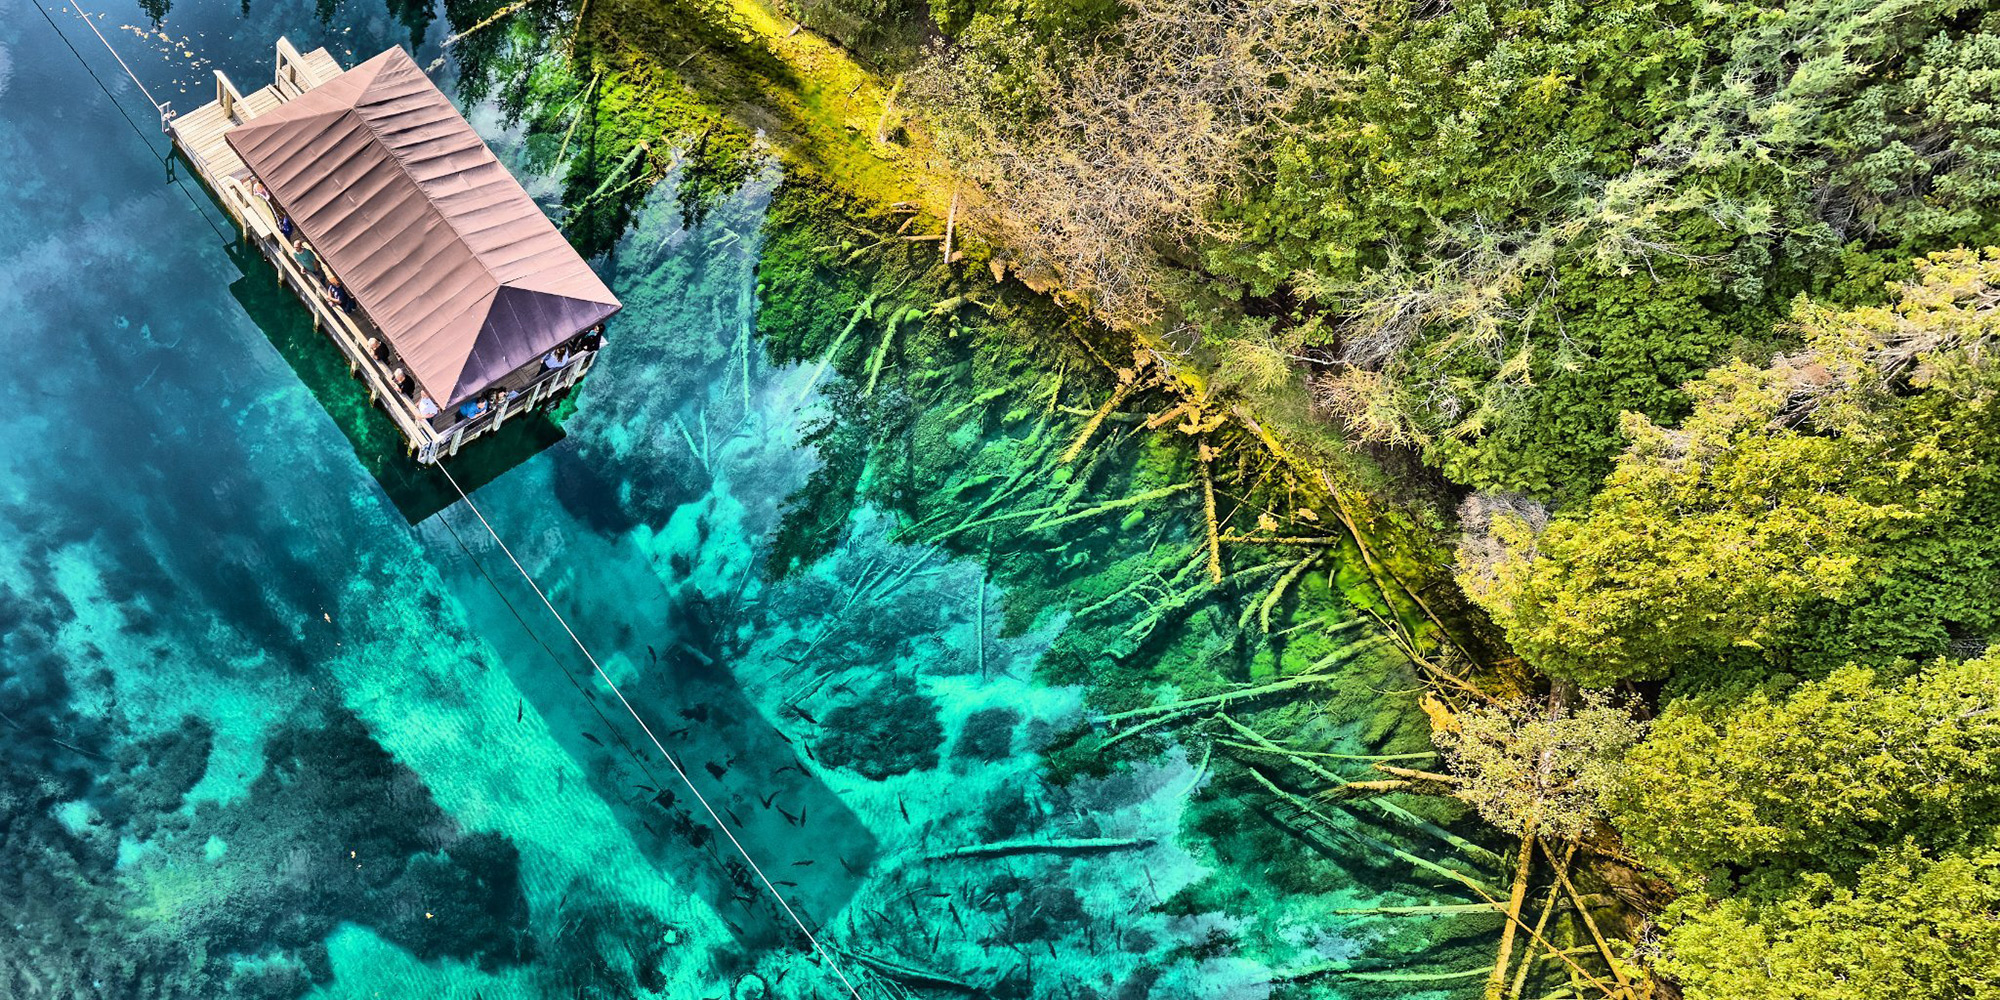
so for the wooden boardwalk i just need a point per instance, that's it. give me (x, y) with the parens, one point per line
(199, 132)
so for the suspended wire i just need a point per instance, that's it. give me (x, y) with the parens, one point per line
(596, 709)
(113, 98)
(92, 25)
(824, 952)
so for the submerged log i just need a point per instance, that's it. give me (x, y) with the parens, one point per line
(911, 975)
(1426, 910)
(1085, 845)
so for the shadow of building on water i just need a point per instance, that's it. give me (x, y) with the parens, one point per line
(418, 491)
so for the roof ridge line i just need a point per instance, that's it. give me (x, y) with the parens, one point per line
(402, 163)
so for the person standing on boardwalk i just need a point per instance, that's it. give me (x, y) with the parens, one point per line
(308, 260)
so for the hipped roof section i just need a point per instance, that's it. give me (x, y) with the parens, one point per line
(436, 241)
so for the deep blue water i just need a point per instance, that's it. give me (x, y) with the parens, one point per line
(263, 737)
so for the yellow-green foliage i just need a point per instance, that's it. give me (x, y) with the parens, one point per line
(1765, 786)
(1805, 492)
(1836, 841)
(1914, 926)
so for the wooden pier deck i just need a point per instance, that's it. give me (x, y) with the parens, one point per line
(199, 136)
(199, 132)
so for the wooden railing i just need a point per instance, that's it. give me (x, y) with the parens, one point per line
(543, 388)
(291, 73)
(349, 336)
(228, 96)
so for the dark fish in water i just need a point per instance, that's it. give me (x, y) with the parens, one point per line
(716, 769)
(646, 788)
(782, 736)
(789, 818)
(845, 865)
(680, 734)
(788, 767)
(649, 828)
(732, 925)
(593, 739)
(651, 657)
(803, 714)
(520, 708)
(901, 808)
(801, 864)
(955, 918)
(1052, 947)
(768, 799)
(732, 817)
(783, 882)
(802, 815)
(934, 939)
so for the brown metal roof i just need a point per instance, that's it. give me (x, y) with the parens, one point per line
(438, 243)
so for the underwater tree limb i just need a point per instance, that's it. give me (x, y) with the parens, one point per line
(1230, 536)
(1380, 571)
(562, 153)
(1387, 809)
(1434, 909)
(1541, 924)
(1084, 845)
(910, 974)
(881, 353)
(854, 319)
(1291, 683)
(1305, 808)
(1118, 394)
(1277, 593)
(1104, 508)
(497, 16)
(1590, 924)
(1414, 776)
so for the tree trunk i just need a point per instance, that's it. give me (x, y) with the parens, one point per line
(1496, 985)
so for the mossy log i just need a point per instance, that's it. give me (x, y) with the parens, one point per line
(1496, 985)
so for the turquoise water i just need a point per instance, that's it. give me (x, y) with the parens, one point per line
(262, 737)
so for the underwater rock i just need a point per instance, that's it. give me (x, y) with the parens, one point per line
(750, 987)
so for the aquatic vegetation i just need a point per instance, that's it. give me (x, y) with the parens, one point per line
(886, 730)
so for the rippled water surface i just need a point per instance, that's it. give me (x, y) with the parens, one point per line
(263, 737)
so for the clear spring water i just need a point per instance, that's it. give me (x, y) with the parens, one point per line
(264, 738)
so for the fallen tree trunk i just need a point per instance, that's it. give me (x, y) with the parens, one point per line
(1496, 985)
